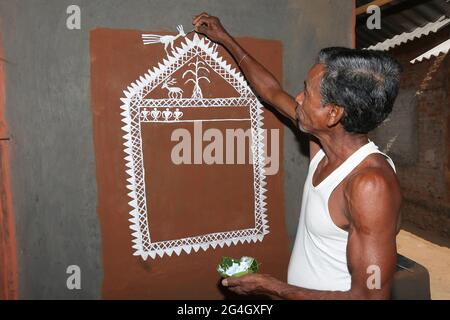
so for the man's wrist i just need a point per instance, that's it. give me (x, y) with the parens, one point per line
(226, 40)
(273, 288)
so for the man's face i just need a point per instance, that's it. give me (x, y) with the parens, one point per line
(311, 114)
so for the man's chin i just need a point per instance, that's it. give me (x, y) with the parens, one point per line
(302, 129)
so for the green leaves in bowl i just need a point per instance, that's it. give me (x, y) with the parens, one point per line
(229, 267)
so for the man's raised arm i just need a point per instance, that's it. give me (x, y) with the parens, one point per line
(261, 80)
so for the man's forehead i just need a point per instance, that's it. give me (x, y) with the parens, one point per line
(315, 73)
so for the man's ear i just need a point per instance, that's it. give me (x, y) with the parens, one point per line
(335, 114)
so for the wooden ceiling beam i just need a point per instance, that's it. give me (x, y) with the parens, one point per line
(379, 3)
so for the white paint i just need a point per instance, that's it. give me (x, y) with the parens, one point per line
(198, 66)
(200, 120)
(165, 40)
(155, 114)
(174, 92)
(197, 53)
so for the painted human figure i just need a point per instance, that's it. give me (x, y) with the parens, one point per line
(177, 114)
(167, 114)
(155, 114)
(144, 114)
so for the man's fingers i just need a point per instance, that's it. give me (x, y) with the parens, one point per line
(200, 29)
(230, 282)
(201, 15)
(237, 290)
(203, 26)
(202, 21)
(195, 20)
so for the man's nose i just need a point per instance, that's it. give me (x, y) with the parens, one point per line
(299, 98)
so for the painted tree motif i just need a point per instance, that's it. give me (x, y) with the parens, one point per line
(199, 66)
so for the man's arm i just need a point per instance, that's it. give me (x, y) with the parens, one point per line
(373, 199)
(261, 80)
(374, 202)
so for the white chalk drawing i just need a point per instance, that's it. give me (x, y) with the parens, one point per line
(165, 40)
(177, 114)
(167, 114)
(166, 111)
(212, 44)
(145, 114)
(155, 114)
(198, 67)
(174, 92)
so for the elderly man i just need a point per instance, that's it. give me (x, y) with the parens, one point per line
(345, 246)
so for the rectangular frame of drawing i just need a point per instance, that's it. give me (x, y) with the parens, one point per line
(134, 103)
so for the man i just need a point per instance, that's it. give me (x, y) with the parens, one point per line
(346, 240)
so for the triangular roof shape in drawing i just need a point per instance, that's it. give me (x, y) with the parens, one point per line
(178, 58)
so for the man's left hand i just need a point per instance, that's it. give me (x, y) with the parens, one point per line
(250, 284)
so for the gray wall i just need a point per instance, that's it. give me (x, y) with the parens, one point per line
(48, 111)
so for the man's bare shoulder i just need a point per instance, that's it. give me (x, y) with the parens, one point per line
(375, 168)
(373, 191)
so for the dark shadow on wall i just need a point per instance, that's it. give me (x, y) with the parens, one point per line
(302, 138)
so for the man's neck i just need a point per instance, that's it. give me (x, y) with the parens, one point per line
(339, 146)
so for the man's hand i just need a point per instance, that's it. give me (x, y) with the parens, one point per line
(210, 26)
(249, 284)
(261, 80)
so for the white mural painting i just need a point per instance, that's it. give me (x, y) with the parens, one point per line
(165, 40)
(201, 59)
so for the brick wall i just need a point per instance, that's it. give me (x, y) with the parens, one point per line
(425, 178)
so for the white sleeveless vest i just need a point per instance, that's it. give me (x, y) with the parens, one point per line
(319, 257)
